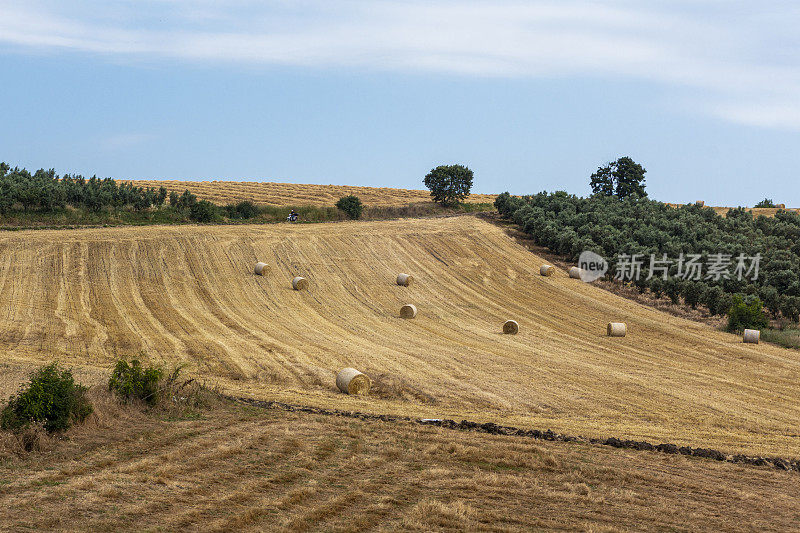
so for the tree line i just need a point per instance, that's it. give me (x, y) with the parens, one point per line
(621, 228)
(45, 192)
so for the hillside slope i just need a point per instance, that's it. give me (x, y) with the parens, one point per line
(285, 194)
(188, 294)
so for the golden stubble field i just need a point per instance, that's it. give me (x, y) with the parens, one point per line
(188, 294)
(294, 194)
(249, 469)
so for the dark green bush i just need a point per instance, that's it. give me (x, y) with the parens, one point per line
(351, 206)
(203, 211)
(135, 382)
(746, 314)
(244, 210)
(51, 398)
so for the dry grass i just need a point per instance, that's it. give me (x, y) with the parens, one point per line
(249, 469)
(88, 297)
(766, 211)
(280, 194)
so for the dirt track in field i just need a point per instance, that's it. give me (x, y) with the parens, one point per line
(188, 294)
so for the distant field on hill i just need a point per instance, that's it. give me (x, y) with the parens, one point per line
(285, 194)
(188, 294)
(766, 211)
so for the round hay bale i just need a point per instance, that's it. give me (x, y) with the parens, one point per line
(299, 283)
(404, 280)
(546, 270)
(575, 273)
(261, 269)
(781, 206)
(616, 329)
(351, 381)
(510, 327)
(408, 311)
(701, 203)
(751, 336)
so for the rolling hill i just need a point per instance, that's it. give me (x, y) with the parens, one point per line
(188, 294)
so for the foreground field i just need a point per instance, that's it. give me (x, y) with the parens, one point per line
(284, 194)
(244, 468)
(187, 294)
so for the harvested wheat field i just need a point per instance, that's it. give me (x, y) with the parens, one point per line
(282, 194)
(188, 294)
(243, 468)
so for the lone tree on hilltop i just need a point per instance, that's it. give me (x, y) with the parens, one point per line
(623, 178)
(766, 202)
(449, 184)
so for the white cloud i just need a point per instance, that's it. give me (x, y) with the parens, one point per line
(741, 55)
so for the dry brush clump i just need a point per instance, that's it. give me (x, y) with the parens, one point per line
(165, 391)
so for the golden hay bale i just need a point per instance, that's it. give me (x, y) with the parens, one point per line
(351, 381)
(408, 311)
(751, 336)
(616, 329)
(299, 283)
(510, 327)
(575, 273)
(404, 280)
(546, 270)
(781, 206)
(701, 203)
(261, 269)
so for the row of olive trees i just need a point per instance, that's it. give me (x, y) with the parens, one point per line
(45, 192)
(619, 229)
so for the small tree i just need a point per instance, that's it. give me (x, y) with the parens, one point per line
(766, 202)
(692, 293)
(746, 314)
(449, 184)
(623, 178)
(162, 196)
(351, 206)
(186, 200)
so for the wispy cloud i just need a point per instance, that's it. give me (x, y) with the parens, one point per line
(740, 58)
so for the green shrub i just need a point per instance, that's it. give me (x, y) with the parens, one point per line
(135, 382)
(203, 211)
(245, 210)
(351, 206)
(51, 398)
(746, 314)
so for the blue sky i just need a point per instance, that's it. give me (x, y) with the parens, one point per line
(531, 95)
